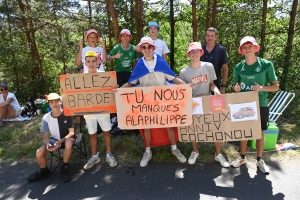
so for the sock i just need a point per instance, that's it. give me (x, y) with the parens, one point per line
(108, 154)
(65, 164)
(44, 169)
(243, 156)
(148, 150)
(94, 156)
(258, 158)
(173, 147)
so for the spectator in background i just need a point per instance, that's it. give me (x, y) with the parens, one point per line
(9, 105)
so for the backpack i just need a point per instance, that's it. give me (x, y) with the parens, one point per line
(30, 109)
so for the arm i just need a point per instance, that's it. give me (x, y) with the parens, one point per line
(6, 103)
(178, 81)
(70, 135)
(78, 60)
(224, 77)
(126, 85)
(165, 57)
(214, 88)
(270, 88)
(104, 54)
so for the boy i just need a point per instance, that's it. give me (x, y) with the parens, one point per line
(92, 120)
(152, 70)
(92, 38)
(61, 131)
(125, 55)
(255, 74)
(190, 74)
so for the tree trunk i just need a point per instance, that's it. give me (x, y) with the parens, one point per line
(214, 14)
(110, 64)
(263, 29)
(111, 8)
(289, 46)
(194, 20)
(139, 19)
(207, 21)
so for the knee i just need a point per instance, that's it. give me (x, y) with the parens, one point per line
(69, 143)
(41, 152)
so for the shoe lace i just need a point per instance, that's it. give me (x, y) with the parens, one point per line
(222, 159)
(145, 156)
(111, 158)
(177, 153)
(193, 155)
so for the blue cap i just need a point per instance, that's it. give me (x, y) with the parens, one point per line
(153, 24)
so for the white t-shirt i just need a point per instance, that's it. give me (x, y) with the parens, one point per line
(98, 51)
(96, 116)
(160, 47)
(15, 104)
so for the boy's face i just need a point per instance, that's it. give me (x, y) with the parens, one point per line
(91, 63)
(210, 37)
(125, 38)
(195, 54)
(248, 49)
(153, 31)
(92, 38)
(147, 49)
(54, 104)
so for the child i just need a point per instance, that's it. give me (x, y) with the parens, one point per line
(102, 119)
(262, 73)
(190, 74)
(125, 55)
(152, 70)
(92, 38)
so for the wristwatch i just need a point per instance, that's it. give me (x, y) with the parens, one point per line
(222, 85)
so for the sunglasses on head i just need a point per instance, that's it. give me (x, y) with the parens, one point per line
(147, 47)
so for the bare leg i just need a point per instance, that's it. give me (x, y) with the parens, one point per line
(218, 146)
(171, 135)
(260, 145)
(68, 149)
(107, 140)
(93, 143)
(41, 156)
(147, 137)
(3, 112)
(11, 112)
(195, 147)
(243, 146)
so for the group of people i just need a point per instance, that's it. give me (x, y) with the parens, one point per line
(251, 74)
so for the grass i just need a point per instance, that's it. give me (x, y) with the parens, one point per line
(19, 140)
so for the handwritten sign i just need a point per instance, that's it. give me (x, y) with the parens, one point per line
(88, 93)
(218, 126)
(154, 107)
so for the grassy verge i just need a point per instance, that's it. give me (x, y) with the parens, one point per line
(19, 140)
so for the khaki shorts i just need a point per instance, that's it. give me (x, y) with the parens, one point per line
(104, 123)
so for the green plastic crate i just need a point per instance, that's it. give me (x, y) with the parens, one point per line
(271, 136)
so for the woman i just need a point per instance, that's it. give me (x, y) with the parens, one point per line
(9, 105)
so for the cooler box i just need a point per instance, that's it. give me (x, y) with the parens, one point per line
(271, 136)
(159, 136)
(44, 105)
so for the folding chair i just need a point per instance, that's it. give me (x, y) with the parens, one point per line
(278, 104)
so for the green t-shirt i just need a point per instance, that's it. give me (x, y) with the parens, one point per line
(262, 72)
(124, 64)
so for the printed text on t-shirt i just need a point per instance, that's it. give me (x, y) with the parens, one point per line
(199, 79)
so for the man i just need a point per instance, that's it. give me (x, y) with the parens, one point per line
(255, 74)
(60, 128)
(9, 105)
(125, 56)
(216, 54)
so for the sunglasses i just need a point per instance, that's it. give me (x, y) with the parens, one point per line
(194, 51)
(2, 90)
(147, 47)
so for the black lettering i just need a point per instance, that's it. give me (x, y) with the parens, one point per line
(144, 108)
(206, 118)
(183, 129)
(170, 96)
(183, 118)
(219, 118)
(161, 120)
(74, 81)
(217, 127)
(107, 79)
(156, 108)
(208, 127)
(183, 135)
(146, 120)
(209, 136)
(219, 133)
(97, 100)
(248, 136)
(149, 108)
(198, 118)
(129, 120)
(172, 117)
(157, 94)
(140, 119)
(127, 96)
(182, 94)
(136, 97)
(226, 116)
(68, 83)
(199, 136)
(136, 107)
(84, 83)
(198, 128)
(192, 139)
(226, 134)
(81, 98)
(175, 106)
(240, 134)
(89, 99)
(94, 81)
(152, 119)
(71, 100)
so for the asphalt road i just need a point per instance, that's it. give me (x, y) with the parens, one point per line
(159, 180)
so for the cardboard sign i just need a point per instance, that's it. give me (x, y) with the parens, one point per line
(154, 107)
(216, 126)
(88, 93)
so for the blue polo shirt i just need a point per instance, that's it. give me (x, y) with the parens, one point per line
(217, 57)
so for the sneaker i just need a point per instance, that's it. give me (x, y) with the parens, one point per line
(179, 155)
(220, 158)
(38, 175)
(263, 167)
(193, 157)
(238, 162)
(112, 162)
(91, 162)
(65, 174)
(146, 158)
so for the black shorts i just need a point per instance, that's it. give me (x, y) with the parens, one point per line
(264, 118)
(123, 77)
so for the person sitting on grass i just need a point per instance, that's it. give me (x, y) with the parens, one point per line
(152, 70)
(9, 105)
(60, 128)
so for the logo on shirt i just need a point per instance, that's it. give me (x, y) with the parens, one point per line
(199, 79)
(65, 121)
(130, 53)
(258, 69)
(250, 77)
